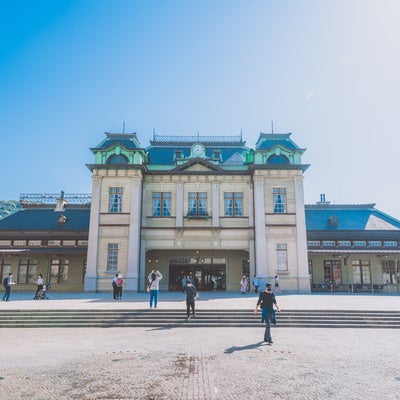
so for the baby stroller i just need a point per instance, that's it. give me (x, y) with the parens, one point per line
(42, 294)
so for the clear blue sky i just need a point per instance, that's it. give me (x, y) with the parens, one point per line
(327, 71)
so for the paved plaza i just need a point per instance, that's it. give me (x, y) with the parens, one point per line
(200, 363)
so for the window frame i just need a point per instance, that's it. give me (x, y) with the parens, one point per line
(361, 269)
(30, 274)
(279, 200)
(196, 208)
(61, 274)
(4, 263)
(281, 257)
(112, 257)
(333, 271)
(115, 200)
(165, 200)
(236, 204)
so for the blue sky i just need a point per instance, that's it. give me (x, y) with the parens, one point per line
(327, 71)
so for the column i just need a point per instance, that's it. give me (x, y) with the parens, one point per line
(132, 277)
(93, 241)
(261, 254)
(303, 275)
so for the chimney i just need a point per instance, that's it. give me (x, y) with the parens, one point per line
(61, 202)
(323, 199)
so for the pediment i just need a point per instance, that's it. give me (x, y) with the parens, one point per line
(197, 165)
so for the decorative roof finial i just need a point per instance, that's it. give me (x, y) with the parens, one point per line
(272, 126)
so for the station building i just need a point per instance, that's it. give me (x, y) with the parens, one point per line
(206, 206)
(352, 248)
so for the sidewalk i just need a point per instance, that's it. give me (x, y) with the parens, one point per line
(199, 364)
(206, 301)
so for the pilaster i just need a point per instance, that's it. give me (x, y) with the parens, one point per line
(132, 278)
(92, 254)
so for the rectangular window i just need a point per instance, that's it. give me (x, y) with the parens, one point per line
(328, 243)
(281, 257)
(5, 268)
(19, 242)
(344, 243)
(313, 243)
(161, 204)
(5, 242)
(390, 244)
(27, 271)
(233, 204)
(374, 243)
(361, 272)
(279, 200)
(389, 271)
(59, 271)
(69, 242)
(359, 243)
(34, 243)
(82, 242)
(333, 271)
(112, 257)
(197, 204)
(54, 242)
(115, 205)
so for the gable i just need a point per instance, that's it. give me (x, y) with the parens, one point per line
(197, 165)
(376, 223)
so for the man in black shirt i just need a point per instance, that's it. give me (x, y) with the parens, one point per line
(191, 294)
(266, 301)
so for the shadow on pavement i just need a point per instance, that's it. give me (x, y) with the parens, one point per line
(240, 348)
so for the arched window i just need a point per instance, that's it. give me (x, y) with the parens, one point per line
(277, 159)
(117, 159)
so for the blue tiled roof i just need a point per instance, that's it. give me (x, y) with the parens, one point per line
(267, 144)
(269, 140)
(164, 155)
(350, 218)
(46, 219)
(129, 144)
(127, 140)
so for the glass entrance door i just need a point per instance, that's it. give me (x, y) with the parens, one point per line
(205, 277)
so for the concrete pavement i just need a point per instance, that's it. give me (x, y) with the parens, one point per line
(188, 364)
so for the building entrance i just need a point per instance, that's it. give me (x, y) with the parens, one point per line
(206, 277)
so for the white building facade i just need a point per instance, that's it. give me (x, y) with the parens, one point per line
(208, 207)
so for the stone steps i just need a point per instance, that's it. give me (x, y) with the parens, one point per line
(205, 318)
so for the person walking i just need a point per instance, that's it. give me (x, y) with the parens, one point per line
(114, 286)
(154, 279)
(266, 301)
(120, 283)
(40, 283)
(243, 284)
(191, 295)
(7, 282)
(277, 288)
(256, 283)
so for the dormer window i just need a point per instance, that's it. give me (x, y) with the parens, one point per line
(216, 154)
(178, 154)
(62, 220)
(333, 221)
(117, 159)
(278, 159)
